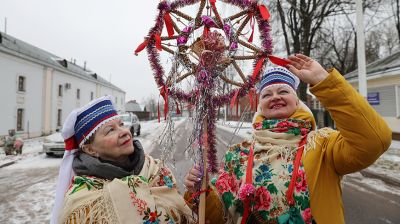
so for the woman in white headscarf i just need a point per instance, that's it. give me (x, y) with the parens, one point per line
(106, 177)
(291, 172)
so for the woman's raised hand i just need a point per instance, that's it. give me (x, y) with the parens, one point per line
(192, 179)
(307, 69)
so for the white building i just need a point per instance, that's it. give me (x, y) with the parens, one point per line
(38, 89)
(383, 82)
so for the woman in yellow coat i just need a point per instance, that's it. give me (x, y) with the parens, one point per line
(291, 172)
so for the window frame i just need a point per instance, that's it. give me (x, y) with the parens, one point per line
(20, 119)
(60, 90)
(21, 85)
(59, 117)
(78, 94)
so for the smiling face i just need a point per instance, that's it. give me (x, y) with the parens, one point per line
(112, 141)
(278, 102)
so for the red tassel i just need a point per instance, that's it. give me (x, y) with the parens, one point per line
(278, 61)
(264, 12)
(206, 31)
(157, 38)
(168, 24)
(141, 47)
(252, 28)
(258, 68)
(234, 98)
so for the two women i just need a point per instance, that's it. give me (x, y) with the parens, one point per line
(106, 177)
(291, 172)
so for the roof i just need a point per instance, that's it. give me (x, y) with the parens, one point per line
(132, 106)
(391, 62)
(13, 46)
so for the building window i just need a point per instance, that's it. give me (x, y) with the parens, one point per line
(78, 94)
(20, 119)
(59, 117)
(91, 95)
(21, 83)
(60, 90)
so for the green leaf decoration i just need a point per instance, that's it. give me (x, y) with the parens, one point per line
(227, 198)
(272, 189)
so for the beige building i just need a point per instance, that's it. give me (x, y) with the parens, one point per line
(383, 82)
(39, 89)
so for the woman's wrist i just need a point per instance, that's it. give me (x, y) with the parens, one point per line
(319, 77)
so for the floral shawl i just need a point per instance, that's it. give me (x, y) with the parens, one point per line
(275, 145)
(150, 197)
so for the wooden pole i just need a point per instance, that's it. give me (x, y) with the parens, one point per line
(202, 204)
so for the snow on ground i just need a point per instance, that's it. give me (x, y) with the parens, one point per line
(389, 163)
(242, 129)
(151, 132)
(32, 147)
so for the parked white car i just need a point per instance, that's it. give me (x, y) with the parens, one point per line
(131, 121)
(54, 145)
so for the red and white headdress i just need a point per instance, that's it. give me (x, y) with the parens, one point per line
(79, 126)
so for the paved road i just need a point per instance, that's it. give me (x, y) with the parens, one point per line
(362, 204)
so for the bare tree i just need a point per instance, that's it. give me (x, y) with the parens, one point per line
(300, 22)
(396, 13)
(337, 39)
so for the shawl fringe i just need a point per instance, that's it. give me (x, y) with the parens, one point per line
(313, 136)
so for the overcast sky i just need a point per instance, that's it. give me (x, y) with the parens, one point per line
(101, 32)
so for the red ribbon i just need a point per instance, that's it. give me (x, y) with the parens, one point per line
(156, 37)
(278, 61)
(70, 143)
(141, 47)
(168, 24)
(206, 31)
(233, 100)
(264, 12)
(289, 192)
(252, 27)
(198, 193)
(258, 68)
